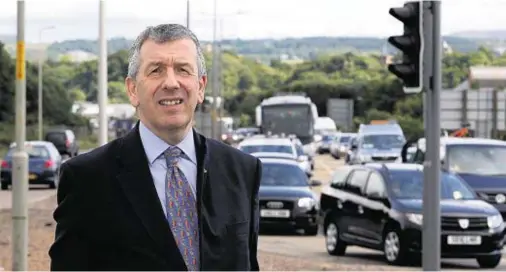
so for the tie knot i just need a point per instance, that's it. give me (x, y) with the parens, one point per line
(172, 155)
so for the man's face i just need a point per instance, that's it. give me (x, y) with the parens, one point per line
(167, 87)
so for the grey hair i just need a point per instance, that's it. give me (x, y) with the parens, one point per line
(161, 34)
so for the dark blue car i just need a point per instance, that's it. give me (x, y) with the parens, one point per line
(286, 198)
(44, 162)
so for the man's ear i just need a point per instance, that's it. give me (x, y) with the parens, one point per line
(202, 89)
(131, 89)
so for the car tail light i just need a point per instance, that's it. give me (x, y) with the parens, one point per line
(48, 164)
(5, 164)
(67, 143)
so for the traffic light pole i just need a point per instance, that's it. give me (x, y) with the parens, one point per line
(431, 243)
(20, 157)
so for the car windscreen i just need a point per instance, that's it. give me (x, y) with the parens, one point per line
(34, 152)
(489, 160)
(267, 148)
(408, 184)
(383, 141)
(278, 174)
(344, 139)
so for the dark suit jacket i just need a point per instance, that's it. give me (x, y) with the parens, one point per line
(110, 218)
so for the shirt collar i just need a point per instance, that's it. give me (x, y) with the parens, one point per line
(154, 146)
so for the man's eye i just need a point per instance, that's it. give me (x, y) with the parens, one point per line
(156, 70)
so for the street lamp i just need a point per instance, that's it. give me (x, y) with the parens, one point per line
(41, 61)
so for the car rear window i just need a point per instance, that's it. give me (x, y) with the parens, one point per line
(34, 151)
(56, 137)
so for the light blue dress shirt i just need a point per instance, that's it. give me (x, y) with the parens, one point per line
(154, 148)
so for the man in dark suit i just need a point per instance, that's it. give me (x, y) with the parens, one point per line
(163, 197)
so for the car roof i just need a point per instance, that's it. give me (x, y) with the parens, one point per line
(463, 141)
(266, 141)
(273, 155)
(279, 161)
(395, 166)
(34, 143)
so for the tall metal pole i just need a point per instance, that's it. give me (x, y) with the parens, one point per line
(188, 14)
(20, 156)
(41, 75)
(102, 78)
(432, 191)
(40, 97)
(220, 80)
(215, 75)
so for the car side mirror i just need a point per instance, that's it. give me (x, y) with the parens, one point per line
(309, 174)
(315, 183)
(353, 146)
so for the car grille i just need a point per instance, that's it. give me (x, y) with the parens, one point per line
(452, 223)
(489, 197)
(389, 158)
(287, 205)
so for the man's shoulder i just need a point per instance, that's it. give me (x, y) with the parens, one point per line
(95, 158)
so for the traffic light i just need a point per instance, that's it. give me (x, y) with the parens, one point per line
(411, 46)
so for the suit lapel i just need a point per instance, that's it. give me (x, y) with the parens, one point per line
(135, 179)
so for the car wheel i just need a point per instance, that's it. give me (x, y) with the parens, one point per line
(392, 247)
(335, 246)
(489, 261)
(311, 231)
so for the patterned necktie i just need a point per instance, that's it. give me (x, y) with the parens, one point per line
(182, 210)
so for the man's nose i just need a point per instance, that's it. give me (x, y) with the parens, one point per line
(170, 80)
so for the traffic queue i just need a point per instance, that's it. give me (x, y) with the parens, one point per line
(375, 201)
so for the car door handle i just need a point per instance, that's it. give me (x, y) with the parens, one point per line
(360, 210)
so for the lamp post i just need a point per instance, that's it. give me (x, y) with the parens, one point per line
(40, 95)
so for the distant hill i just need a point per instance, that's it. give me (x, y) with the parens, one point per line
(499, 34)
(267, 49)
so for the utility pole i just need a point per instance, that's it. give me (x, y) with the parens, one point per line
(20, 156)
(214, 79)
(420, 71)
(40, 93)
(188, 14)
(102, 78)
(432, 165)
(220, 79)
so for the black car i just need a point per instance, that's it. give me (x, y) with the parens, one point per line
(480, 162)
(286, 199)
(64, 140)
(379, 206)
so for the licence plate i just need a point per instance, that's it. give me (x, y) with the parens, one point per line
(464, 240)
(275, 213)
(32, 176)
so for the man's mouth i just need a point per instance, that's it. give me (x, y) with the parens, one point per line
(170, 102)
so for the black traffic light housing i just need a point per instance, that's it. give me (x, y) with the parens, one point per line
(411, 46)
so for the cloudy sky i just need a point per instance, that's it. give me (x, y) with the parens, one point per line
(247, 19)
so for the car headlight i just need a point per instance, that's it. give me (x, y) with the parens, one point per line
(494, 221)
(342, 148)
(415, 218)
(364, 158)
(306, 202)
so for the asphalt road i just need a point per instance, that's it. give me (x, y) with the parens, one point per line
(313, 248)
